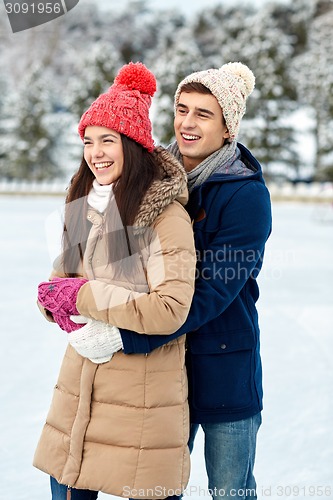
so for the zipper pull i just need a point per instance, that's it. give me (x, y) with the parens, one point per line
(69, 493)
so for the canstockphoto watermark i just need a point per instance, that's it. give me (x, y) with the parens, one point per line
(27, 14)
(283, 491)
(198, 491)
(155, 492)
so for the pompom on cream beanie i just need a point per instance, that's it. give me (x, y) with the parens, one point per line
(231, 85)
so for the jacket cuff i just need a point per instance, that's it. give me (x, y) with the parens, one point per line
(134, 343)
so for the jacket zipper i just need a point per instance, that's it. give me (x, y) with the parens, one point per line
(99, 237)
(69, 493)
(92, 255)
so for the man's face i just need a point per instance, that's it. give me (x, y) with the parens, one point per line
(199, 127)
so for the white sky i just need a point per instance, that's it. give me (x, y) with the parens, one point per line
(195, 5)
(186, 6)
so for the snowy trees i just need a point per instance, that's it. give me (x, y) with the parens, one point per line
(28, 152)
(313, 73)
(257, 39)
(176, 60)
(93, 73)
(50, 74)
(3, 123)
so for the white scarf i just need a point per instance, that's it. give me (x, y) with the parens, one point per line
(99, 196)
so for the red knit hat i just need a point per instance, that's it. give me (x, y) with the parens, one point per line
(125, 106)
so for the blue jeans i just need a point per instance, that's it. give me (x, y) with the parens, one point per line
(230, 449)
(60, 492)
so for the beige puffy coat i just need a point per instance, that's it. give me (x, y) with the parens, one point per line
(122, 427)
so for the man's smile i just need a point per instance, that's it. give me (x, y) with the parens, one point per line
(190, 137)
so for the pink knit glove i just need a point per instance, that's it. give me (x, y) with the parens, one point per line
(59, 297)
(66, 323)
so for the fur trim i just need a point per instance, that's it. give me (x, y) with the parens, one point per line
(161, 193)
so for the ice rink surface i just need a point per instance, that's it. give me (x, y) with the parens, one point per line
(295, 442)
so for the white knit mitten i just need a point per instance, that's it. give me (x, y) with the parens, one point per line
(96, 340)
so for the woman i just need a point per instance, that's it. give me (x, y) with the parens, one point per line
(117, 423)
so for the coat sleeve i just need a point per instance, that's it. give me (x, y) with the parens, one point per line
(232, 258)
(165, 307)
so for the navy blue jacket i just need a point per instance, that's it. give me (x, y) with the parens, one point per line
(232, 221)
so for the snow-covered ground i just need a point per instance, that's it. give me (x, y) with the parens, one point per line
(295, 443)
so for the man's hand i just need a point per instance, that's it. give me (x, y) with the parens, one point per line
(96, 340)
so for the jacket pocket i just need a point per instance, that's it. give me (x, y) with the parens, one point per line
(222, 370)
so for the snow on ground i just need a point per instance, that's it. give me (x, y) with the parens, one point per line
(295, 443)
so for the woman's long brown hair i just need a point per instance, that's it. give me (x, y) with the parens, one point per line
(140, 169)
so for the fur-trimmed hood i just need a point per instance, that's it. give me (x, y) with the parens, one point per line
(172, 186)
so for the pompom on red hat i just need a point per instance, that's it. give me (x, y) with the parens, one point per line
(125, 106)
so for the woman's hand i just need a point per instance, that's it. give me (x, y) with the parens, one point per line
(58, 296)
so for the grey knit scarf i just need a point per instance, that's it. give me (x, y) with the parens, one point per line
(220, 158)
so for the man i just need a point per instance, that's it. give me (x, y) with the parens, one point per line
(231, 210)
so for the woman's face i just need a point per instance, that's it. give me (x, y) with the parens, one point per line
(103, 152)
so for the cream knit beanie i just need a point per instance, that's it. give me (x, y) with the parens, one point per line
(231, 85)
